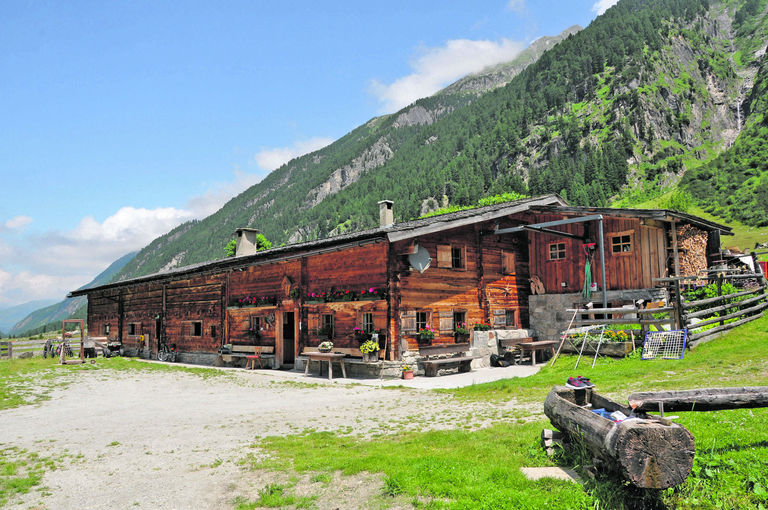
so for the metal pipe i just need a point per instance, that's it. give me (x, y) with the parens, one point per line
(602, 261)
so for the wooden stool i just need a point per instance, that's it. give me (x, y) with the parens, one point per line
(251, 359)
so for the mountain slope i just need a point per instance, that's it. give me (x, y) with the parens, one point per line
(51, 316)
(10, 316)
(616, 112)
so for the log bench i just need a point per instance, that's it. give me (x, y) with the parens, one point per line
(435, 357)
(527, 344)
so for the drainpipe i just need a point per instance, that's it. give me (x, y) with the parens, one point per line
(602, 261)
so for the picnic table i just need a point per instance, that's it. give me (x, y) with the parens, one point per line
(330, 357)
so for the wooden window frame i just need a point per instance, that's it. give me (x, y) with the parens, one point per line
(322, 322)
(463, 315)
(513, 313)
(448, 254)
(367, 327)
(561, 253)
(625, 239)
(254, 321)
(422, 324)
(196, 328)
(134, 329)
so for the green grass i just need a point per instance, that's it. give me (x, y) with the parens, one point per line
(481, 469)
(20, 471)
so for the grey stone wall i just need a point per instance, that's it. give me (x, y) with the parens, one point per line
(548, 316)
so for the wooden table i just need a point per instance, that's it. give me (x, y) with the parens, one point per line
(330, 357)
(534, 347)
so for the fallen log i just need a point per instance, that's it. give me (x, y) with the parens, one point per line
(649, 451)
(713, 399)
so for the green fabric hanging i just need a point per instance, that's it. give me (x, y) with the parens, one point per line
(587, 279)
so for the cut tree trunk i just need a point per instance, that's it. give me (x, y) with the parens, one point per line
(713, 399)
(650, 452)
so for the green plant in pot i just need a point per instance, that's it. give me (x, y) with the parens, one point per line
(325, 346)
(461, 333)
(425, 335)
(370, 350)
(360, 335)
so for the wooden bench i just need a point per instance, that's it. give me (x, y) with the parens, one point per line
(244, 351)
(529, 345)
(434, 357)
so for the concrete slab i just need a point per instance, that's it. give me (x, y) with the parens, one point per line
(537, 473)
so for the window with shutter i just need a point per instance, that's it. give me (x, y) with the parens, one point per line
(507, 262)
(446, 322)
(444, 255)
(408, 322)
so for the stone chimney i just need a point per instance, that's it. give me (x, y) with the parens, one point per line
(246, 241)
(386, 214)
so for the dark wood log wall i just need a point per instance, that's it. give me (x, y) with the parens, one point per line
(631, 270)
(354, 269)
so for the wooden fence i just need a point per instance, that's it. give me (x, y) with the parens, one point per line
(725, 310)
(16, 348)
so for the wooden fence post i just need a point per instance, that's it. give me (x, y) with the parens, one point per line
(678, 304)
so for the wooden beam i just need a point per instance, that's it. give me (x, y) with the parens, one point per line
(710, 399)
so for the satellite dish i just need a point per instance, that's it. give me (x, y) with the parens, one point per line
(420, 258)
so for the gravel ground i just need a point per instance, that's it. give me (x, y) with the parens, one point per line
(173, 440)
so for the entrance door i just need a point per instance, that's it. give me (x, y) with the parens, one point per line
(158, 333)
(289, 338)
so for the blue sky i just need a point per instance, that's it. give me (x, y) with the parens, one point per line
(119, 120)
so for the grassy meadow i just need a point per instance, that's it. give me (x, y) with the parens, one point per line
(480, 468)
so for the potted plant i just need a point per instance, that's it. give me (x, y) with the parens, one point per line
(370, 350)
(407, 372)
(326, 346)
(425, 335)
(360, 335)
(481, 326)
(461, 333)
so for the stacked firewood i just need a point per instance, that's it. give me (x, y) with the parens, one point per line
(692, 248)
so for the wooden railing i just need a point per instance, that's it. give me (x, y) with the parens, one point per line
(721, 309)
(725, 310)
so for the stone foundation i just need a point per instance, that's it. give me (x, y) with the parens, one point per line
(548, 316)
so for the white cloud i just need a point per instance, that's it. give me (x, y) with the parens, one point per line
(215, 198)
(270, 159)
(25, 286)
(517, 6)
(601, 6)
(437, 67)
(18, 223)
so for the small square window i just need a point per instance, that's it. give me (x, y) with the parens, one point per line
(421, 320)
(213, 331)
(457, 257)
(459, 319)
(557, 251)
(509, 318)
(197, 329)
(621, 243)
(367, 325)
(132, 329)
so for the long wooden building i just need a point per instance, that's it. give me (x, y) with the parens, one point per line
(465, 267)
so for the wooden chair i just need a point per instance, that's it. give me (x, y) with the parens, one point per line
(251, 359)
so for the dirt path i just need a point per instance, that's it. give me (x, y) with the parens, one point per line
(173, 440)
